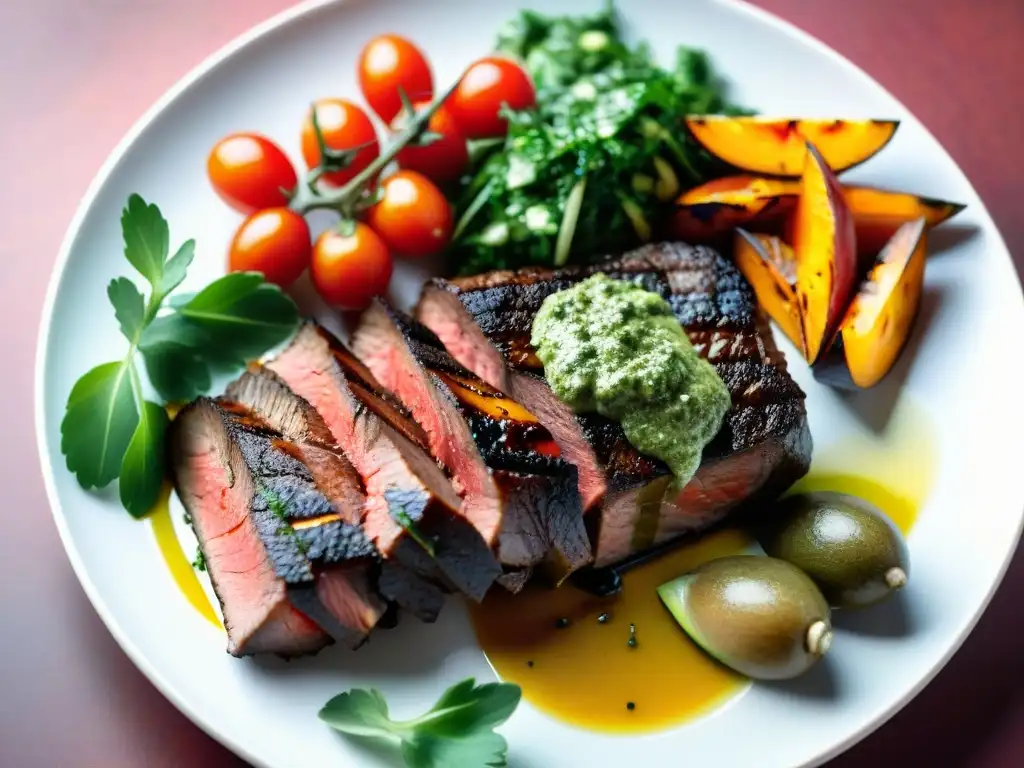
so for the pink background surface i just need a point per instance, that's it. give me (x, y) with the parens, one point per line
(75, 74)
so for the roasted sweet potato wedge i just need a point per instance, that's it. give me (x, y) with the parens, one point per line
(777, 146)
(770, 267)
(877, 325)
(878, 213)
(825, 245)
(704, 222)
(739, 189)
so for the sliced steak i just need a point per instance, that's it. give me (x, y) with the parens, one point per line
(412, 513)
(256, 563)
(762, 448)
(441, 309)
(312, 443)
(516, 489)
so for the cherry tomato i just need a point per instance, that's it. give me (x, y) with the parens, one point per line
(344, 126)
(413, 216)
(442, 160)
(249, 172)
(349, 270)
(274, 241)
(487, 84)
(390, 62)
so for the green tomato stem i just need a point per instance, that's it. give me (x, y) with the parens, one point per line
(345, 200)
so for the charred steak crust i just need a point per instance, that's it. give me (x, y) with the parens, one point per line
(534, 485)
(712, 302)
(241, 496)
(305, 522)
(409, 492)
(767, 420)
(541, 505)
(268, 395)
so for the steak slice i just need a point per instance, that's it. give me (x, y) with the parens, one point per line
(441, 309)
(312, 443)
(516, 490)
(412, 513)
(763, 447)
(256, 564)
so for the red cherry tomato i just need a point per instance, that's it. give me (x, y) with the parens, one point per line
(443, 159)
(349, 270)
(413, 216)
(487, 84)
(250, 172)
(344, 126)
(390, 62)
(274, 241)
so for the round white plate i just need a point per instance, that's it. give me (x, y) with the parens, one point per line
(964, 357)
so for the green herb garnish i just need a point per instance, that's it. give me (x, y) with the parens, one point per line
(597, 165)
(199, 562)
(110, 430)
(399, 503)
(458, 732)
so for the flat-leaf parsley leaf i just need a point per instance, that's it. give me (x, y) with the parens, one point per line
(457, 732)
(109, 429)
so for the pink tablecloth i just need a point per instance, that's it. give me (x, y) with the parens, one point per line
(74, 75)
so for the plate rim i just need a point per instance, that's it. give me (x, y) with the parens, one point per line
(192, 78)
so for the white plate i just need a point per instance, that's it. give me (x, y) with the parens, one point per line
(963, 361)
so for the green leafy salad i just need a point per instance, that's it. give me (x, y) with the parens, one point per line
(601, 158)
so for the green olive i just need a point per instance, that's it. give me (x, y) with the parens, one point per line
(853, 552)
(761, 616)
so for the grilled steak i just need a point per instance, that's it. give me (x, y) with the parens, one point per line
(411, 511)
(442, 310)
(311, 442)
(762, 448)
(516, 490)
(277, 554)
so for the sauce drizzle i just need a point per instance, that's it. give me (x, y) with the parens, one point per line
(177, 562)
(894, 470)
(587, 659)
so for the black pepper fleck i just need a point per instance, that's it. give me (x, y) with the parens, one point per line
(562, 623)
(630, 706)
(529, 663)
(604, 618)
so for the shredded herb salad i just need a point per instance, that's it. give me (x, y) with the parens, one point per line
(599, 160)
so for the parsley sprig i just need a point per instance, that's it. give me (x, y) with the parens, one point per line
(458, 732)
(110, 430)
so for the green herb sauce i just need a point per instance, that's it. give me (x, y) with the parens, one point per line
(612, 347)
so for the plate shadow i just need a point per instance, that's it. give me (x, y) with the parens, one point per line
(874, 407)
(949, 237)
(375, 751)
(891, 618)
(409, 649)
(819, 683)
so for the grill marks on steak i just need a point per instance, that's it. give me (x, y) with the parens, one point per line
(441, 309)
(515, 488)
(762, 448)
(381, 344)
(408, 498)
(310, 441)
(243, 493)
(322, 506)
